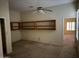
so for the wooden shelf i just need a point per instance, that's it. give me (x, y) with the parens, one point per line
(34, 25)
(15, 25)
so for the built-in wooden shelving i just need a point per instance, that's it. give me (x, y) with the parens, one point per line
(34, 25)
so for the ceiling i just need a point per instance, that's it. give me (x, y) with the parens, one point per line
(26, 5)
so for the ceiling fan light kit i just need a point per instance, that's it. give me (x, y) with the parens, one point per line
(42, 10)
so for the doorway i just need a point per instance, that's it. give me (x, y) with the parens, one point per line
(3, 36)
(69, 31)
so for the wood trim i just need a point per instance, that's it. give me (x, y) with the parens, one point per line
(38, 21)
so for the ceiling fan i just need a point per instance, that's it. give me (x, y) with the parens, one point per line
(42, 10)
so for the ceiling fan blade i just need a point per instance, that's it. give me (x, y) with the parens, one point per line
(39, 12)
(34, 12)
(47, 10)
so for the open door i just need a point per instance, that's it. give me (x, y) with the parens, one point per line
(3, 36)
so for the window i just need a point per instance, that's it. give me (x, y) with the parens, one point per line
(70, 26)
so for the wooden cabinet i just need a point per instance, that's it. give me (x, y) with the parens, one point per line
(34, 25)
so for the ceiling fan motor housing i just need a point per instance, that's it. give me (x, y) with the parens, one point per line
(39, 8)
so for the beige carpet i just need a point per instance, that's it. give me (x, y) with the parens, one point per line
(31, 49)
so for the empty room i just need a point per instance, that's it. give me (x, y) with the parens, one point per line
(39, 28)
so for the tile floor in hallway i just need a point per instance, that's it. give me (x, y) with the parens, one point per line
(31, 49)
(69, 39)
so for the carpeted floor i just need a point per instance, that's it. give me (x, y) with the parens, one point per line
(31, 49)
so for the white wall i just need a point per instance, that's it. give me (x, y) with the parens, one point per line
(15, 17)
(4, 13)
(48, 36)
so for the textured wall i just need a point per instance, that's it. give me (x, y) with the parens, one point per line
(15, 17)
(48, 36)
(4, 13)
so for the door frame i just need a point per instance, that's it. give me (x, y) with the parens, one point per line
(5, 37)
(77, 25)
(3, 34)
(76, 34)
(63, 27)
